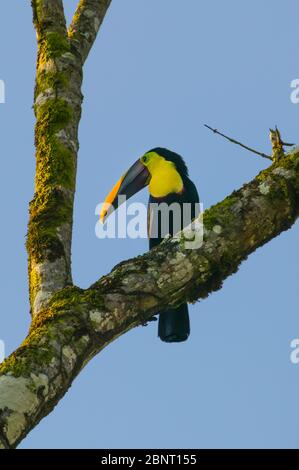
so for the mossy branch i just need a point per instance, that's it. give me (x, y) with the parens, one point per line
(85, 25)
(57, 106)
(48, 16)
(77, 323)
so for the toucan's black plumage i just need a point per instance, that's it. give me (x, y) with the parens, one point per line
(174, 325)
(166, 175)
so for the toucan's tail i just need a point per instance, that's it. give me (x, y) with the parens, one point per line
(174, 325)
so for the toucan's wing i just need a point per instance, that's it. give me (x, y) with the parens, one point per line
(155, 231)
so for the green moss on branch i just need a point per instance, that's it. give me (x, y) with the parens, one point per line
(53, 45)
(221, 213)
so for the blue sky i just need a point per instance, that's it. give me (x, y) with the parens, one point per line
(157, 73)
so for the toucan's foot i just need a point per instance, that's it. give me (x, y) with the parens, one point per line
(152, 319)
(146, 322)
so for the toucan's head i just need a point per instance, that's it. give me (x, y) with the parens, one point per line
(161, 169)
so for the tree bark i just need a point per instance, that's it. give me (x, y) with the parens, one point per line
(71, 325)
(57, 105)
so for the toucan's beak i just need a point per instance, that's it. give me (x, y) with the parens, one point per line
(136, 178)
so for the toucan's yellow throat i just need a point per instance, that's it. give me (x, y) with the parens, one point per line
(165, 179)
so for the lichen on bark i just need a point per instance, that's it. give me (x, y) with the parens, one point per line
(57, 106)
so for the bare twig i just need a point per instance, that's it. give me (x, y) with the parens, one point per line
(239, 143)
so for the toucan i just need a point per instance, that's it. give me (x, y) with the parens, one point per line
(166, 175)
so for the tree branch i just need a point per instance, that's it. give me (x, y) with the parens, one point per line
(57, 106)
(86, 23)
(78, 323)
(48, 16)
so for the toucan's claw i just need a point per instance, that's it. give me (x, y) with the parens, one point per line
(146, 322)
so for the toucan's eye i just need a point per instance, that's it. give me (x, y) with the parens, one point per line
(144, 159)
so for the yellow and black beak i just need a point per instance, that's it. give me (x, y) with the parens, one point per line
(135, 179)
